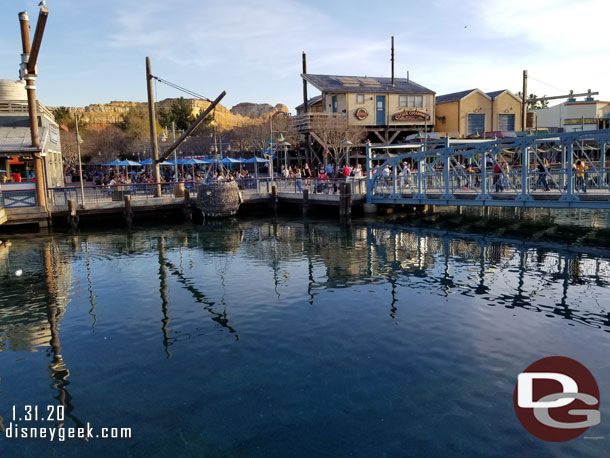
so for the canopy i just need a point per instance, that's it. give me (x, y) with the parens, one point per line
(125, 163)
(230, 160)
(256, 160)
(190, 161)
(2, 171)
(149, 162)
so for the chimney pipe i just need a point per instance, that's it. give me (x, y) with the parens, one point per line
(407, 76)
(305, 106)
(392, 61)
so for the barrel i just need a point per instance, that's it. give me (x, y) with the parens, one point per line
(218, 199)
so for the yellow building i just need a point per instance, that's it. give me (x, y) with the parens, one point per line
(389, 109)
(476, 113)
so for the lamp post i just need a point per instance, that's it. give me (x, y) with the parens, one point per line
(271, 130)
(285, 144)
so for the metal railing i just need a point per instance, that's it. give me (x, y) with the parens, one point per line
(455, 175)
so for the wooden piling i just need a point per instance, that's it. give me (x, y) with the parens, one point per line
(274, 199)
(128, 212)
(72, 214)
(305, 205)
(345, 200)
(188, 209)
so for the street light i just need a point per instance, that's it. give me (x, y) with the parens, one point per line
(271, 130)
(285, 145)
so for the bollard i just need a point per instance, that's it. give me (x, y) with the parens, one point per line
(305, 205)
(72, 214)
(128, 212)
(342, 203)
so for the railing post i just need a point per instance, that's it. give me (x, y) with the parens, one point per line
(525, 165)
(569, 195)
(602, 166)
(562, 181)
(447, 177)
(483, 163)
(394, 176)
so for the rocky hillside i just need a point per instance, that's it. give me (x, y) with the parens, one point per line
(256, 110)
(242, 114)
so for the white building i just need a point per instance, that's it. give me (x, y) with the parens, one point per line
(574, 115)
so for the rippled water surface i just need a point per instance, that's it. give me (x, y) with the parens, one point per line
(253, 338)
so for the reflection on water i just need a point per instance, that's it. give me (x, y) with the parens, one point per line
(93, 305)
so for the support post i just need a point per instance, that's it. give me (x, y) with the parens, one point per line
(188, 211)
(28, 70)
(274, 199)
(128, 212)
(72, 214)
(564, 171)
(305, 204)
(154, 144)
(569, 194)
(369, 174)
(80, 161)
(524, 105)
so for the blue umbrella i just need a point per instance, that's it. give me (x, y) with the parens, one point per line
(128, 163)
(190, 161)
(149, 162)
(113, 163)
(256, 160)
(2, 171)
(230, 160)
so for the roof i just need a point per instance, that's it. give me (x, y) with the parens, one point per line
(454, 96)
(310, 102)
(495, 94)
(344, 84)
(18, 140)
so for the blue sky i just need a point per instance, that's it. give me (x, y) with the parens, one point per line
(94, 51)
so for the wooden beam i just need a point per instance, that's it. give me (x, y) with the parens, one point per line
(40, 25)
(193, 126)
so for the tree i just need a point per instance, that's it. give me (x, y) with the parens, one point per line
(179, 112)
(63, 116)
(532, 104)
(333, 133)
(136, 129)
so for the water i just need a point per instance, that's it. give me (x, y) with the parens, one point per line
(286, 339)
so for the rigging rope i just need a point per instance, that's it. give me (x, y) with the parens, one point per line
(547, 84)
(180, 88)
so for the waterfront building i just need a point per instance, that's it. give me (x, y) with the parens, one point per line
(474, 113)
(389, 109)
(16, 151)
(574, 115)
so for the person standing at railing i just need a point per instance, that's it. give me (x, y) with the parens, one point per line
(322, 180)
(297, 177)
(581, 183)
(542, 171)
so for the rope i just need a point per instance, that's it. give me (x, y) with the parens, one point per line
(547, 84)
(180, 88)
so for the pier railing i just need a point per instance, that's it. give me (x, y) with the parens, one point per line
(560, 170)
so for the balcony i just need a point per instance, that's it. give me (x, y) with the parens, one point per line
(307, 121)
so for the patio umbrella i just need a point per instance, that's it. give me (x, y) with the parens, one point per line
(2, 171)
(128, 163)
(229, 161)
(113, 163)
(149, 162)
(256, 160)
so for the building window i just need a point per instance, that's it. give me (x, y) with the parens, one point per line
(360, 98)
(415, 101)
(402, 101)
